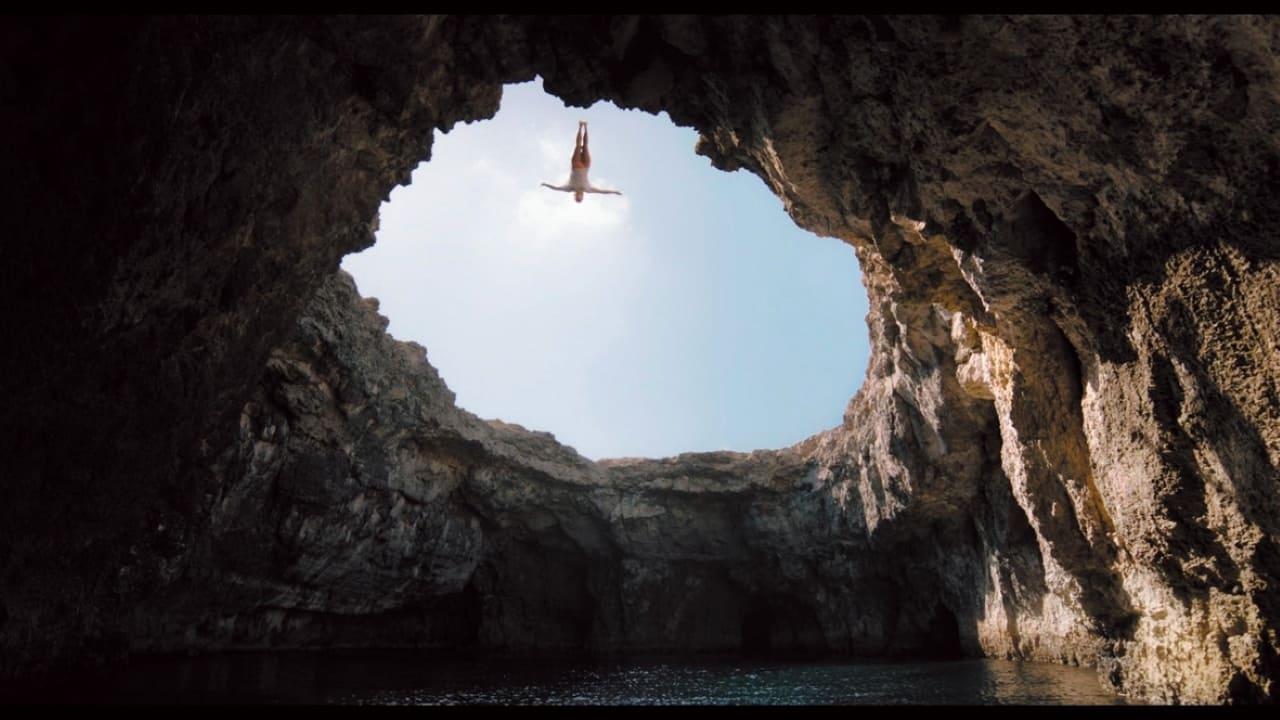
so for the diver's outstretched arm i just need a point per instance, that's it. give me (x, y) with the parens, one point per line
(561, 188)
(602, 192)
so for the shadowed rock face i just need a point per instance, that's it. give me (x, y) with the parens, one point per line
(1066, 448)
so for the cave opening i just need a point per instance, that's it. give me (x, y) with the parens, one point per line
(944, 635)
(757, 631)
(688, 314)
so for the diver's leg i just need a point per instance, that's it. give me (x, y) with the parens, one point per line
(576, 161)
(586, 154)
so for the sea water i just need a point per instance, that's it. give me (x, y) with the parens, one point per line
(405, 678)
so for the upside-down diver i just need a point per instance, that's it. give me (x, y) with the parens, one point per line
(578, 167)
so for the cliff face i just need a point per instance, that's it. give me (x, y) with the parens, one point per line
(360, 497)
(1066, 448)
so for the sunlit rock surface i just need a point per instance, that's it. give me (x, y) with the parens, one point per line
(1066, 448)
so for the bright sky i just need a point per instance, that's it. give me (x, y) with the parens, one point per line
(688, 314)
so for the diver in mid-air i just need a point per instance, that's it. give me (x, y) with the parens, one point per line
(578, 168)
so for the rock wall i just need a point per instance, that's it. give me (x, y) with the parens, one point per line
(1066, 448)
(357, 488)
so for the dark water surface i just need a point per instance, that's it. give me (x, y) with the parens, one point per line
(394, 678)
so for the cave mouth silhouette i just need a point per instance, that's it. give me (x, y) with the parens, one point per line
(690, 314)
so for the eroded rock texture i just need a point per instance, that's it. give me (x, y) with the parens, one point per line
(1066, 448)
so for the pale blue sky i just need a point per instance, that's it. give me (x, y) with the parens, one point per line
(689, 314)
